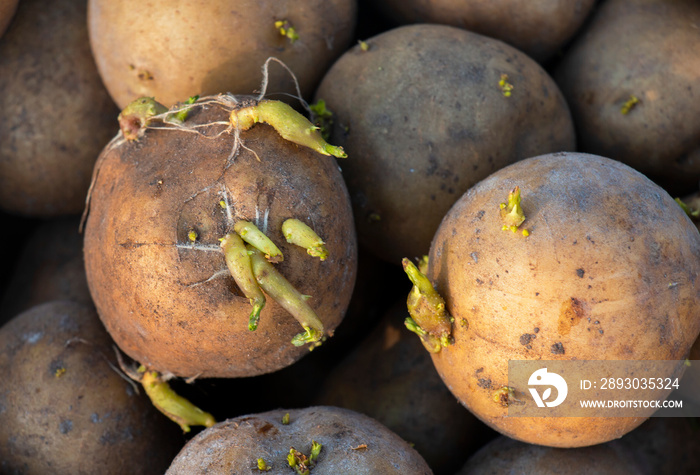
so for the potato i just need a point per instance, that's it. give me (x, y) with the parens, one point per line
(505, 455)
(426, 112)
(174, 51)
(390, 378)
(662, 445)
(629, 78)
(49, 267)
(161, 204)
(64, 408)
(7, 11)
(609, 271)
(538, 28)
(349, 443)
(57, 115)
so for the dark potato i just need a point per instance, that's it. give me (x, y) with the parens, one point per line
(609, 271)
(49, 267)
(539, 28)
(7, 11)
(426, 111)
(631, 78)
(350, 443)
(391, 378)
(505, 455)
(215, 46)
(63, 406)
(159, 208)
(57, 115)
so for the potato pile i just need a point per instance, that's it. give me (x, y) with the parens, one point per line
(307, 237)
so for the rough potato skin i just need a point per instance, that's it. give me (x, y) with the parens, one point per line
(352, 443)
(646, 49)
(423, 118)
(609, 271)
(56, 113)
(64, 409)
(174, 51)
(176, 309)
(538, 28)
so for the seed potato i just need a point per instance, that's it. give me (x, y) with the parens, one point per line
(609, 271)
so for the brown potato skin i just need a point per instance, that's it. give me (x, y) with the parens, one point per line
(205, 47)
(645, 48)
(422, 118)
(352, 443)
(538, 28)
(84, 420)
(57, 114)
(602, 236)
(161, 303)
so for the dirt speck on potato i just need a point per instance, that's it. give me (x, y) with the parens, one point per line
(557, 349)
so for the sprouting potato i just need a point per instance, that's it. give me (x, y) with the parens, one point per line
(608, 269)
(185, 255)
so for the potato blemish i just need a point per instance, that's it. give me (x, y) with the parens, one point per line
(571, 314)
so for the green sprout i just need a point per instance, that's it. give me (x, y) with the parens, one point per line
(284, 293)
(428, 316)
(241, 268)
(512, 212)
(181, 115)
(287, 30)
(692, 213)
(630, 104)
(300, 462)
(290, 124)
(137, 115)
(256, 238)
(174, 406)
(263, 466)
(506, 87)
(299, 233)
(322, 117)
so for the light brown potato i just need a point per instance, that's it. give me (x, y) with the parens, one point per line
(609, 271)
(174, 51)
(631, 80)
(423, 117)
(351, 443)
(152, 244)
(63, 406)
(57, 114)
(539, 28)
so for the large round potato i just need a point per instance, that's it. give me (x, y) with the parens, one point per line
(57, 114)
(174, 50)
(159, 207)
(537, 27)
(610, 271)
(65, 408)
(631, 78)
(349, 443)
(424, 113)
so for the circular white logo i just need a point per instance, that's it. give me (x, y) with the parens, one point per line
(542, 378)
